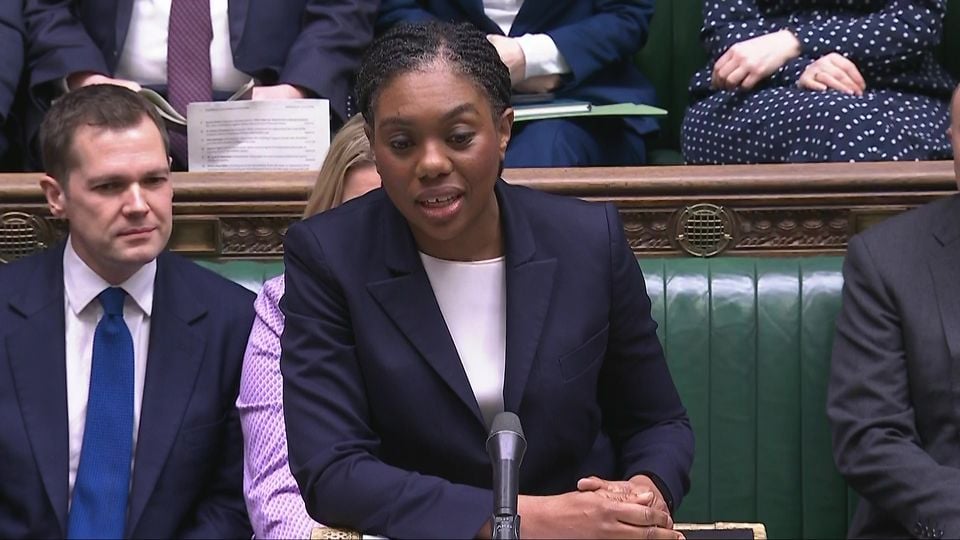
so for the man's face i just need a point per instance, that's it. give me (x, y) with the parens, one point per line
(118, 198)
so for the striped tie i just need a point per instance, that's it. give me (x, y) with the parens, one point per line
(188, 63)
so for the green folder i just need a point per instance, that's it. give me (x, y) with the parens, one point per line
(614, 109)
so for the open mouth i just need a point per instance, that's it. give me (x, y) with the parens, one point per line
(439, 202)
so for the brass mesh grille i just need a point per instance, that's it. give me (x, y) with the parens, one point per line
(704, 230)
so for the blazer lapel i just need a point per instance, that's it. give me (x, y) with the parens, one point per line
(173, 361)
(237, 13)
(532, 14)
(408, 300)
(945, 268)
(529, 292)
(38, 366)
(124, 10)
(473, 11)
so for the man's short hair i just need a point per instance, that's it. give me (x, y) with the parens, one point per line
(104, 106)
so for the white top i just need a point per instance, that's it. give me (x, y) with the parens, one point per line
(82, 312)
(473, 300)
(541, 54)
(144, 55)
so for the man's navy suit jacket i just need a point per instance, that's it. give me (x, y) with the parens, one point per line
(11, 60)
(385, 434)
(315, 44)
(599, 40)
(188, 473)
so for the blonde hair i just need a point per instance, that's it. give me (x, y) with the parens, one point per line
(348, 149)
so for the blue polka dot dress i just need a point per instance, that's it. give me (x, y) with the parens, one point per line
(903, 114)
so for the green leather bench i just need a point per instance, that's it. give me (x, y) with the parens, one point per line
(748, 341)
(673, 53)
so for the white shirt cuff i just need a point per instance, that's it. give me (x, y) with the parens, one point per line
(542, 56)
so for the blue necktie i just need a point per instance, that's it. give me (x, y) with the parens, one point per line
(99, 505)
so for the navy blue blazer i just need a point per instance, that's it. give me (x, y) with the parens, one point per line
(188, 474)
(11, 59)
(315, 44)
(598, 38)
(384, 432)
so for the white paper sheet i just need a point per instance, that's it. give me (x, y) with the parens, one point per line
(279, 135)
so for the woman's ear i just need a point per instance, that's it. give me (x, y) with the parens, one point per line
(504, 130)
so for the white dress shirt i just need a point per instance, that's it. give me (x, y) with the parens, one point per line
(473, 300)
(144, 55)
(541, 54)
(82, 312)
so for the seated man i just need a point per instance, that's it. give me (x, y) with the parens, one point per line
(895, 382)
(11, 60)
(121, 362)
(577, 50)
(294, 48)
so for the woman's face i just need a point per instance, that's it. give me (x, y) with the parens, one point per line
(438, 151)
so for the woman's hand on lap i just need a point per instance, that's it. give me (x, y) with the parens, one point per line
(747, 63)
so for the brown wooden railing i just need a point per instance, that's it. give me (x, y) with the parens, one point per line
(700, 210)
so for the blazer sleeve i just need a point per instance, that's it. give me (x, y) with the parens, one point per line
(57, 43)
(325, 56)
(896, 35)
(11, 53)
(332, 441)
(397, 11)
(642, 411)
(875, 441)
(221, 511)
(615, 32)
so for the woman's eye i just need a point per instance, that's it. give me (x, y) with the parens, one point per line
(400, 144)
(461, 138)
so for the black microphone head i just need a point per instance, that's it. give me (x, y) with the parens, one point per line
(506, 421)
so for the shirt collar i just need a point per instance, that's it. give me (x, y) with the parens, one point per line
(82, 285)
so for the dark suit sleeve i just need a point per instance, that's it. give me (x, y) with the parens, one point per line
(11, 54)
(326, 54)
(57, 43)
(617, 30)
(332, 441)
(641, 407)
(397, 11)
(222, 511)
(875, 441)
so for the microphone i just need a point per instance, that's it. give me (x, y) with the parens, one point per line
(506, 446)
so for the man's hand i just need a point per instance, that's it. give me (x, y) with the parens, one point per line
(640, 486)
(833, 71)
(595, 514)
(748, 62)
(538, 85)
(277, 91)
(88, 78)
(511, 54)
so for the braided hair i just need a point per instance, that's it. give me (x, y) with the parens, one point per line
(410, 47)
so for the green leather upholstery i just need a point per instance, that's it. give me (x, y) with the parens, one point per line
(673, 53)
(748, 342)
